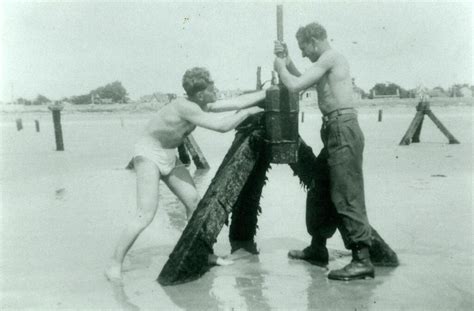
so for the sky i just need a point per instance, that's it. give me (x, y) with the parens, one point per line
(60, 49)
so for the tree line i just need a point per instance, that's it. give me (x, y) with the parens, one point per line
(115, 92)
(393, 89)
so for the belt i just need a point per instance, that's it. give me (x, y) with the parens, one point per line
(335, 113)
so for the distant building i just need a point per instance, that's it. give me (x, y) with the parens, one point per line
(465, 91)
(396, 95)
(229, 93)
(357, 93)
(158, 97)
(437, 92)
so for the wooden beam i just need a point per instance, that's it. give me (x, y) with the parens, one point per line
(444, 130)
(416, 135)
(412, 128)
(196, 153)
(189, 259)
(243, 227)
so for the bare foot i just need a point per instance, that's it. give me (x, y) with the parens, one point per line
(223, 262)
(114, 273)
(219, 261)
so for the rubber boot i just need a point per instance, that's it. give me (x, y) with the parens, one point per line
(317, 254)
(359, 268)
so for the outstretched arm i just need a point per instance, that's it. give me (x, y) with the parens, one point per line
(213, 121)
(302, 82)
(237, 103)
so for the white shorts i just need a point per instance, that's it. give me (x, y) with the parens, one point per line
(151, 149)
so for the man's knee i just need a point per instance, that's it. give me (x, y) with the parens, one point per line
(194, 201)
(143, 220)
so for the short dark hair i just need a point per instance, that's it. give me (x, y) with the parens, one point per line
(313, 30)
(196, 79)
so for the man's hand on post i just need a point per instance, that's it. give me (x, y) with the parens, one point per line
(280, 49)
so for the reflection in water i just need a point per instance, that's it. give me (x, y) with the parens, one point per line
(121, 297)
(239, 286)
(322, 293)
(250, 287)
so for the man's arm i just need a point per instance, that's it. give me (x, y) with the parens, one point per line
(292, 68)
(237, 103)
(194, 114)
(309, 78)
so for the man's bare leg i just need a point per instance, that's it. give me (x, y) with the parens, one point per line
(148, 179)
(180, 182)
(182, 185)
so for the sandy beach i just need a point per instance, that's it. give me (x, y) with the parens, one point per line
(61, 213)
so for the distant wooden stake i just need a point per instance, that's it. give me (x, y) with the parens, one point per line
(259, 78)
(19, 124)
(414, 130)
(380, 115)
(302, 117)
(58, 132)
(37, 126)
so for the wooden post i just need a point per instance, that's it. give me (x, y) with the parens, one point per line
(281, 124)
(281, 115)
(196, 153)
(259, 78)
(58, 132)
(406, 139)
(302, 117)
(416, 135)
(280, 22)
(189, 259)
(37, 125)
(380, 115)
(414, 130)
(19, 124)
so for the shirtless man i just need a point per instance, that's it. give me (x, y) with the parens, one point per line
(155, 154)
(338, 187)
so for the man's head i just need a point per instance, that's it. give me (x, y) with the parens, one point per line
(312, 40)
(199, 86)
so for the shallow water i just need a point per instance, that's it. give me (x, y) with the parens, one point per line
(61, 213)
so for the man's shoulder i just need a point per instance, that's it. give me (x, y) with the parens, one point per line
(332, 56)
(184, 105)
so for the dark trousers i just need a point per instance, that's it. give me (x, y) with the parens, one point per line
(336, 200)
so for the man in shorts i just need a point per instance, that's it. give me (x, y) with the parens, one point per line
(155, 153)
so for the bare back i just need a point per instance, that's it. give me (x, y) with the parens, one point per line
(168, 127)
(335, 86)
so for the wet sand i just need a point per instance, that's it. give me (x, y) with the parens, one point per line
(61, 213)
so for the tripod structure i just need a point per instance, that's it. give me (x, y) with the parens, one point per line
(412, 135)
